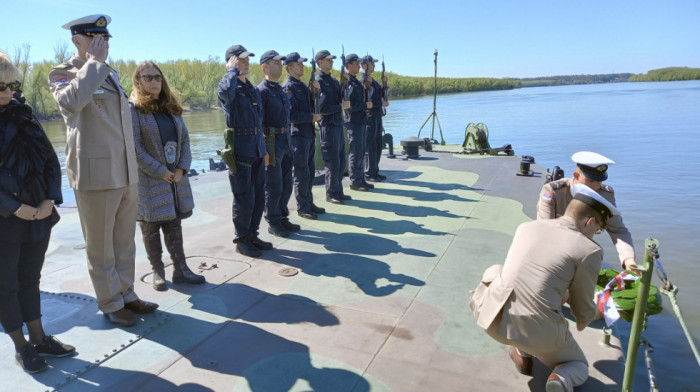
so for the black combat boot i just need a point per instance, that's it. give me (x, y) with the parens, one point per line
(173, 241)
(154, 251)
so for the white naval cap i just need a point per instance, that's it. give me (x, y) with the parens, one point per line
(594, 200)
(90, 25)
(592, 164)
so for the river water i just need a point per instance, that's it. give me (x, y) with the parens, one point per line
(651, 131)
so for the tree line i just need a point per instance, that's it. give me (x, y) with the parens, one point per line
(669, 74)
(196, 80)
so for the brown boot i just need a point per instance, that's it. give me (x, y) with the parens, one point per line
(154, 251)
(173, 241)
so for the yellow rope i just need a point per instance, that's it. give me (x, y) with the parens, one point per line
(672, 296)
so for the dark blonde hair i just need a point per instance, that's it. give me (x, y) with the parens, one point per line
(167, 101)
(8, 71)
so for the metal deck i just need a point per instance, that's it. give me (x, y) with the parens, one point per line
(379, 303)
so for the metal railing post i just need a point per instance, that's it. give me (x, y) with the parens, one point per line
(640, 310)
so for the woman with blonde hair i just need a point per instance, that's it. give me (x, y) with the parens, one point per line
(30, 184)
(163, 155)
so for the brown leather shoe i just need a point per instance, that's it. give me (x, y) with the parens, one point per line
(121, 317)
(555, 384)
(522, 364)
(141, 307)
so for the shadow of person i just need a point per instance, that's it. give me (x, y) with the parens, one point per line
(366, 273)
(379, 226)
(437, 186)
(182, 340)
(347, 243)
(403, 209)
(421, 195)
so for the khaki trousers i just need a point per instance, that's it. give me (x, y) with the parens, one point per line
(563, 356)
(108, 221)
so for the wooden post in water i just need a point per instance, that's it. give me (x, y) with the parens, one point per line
(433, 115)
(640, 311)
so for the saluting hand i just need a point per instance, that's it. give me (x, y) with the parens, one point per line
(98, 49)
(232, 62)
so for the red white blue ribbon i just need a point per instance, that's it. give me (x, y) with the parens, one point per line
(605, 303)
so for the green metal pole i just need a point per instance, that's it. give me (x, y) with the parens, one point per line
(640, 309)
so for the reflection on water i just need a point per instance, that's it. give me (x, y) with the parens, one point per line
(650, 129)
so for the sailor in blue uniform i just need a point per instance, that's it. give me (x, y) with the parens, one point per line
(303, 143)
(374, 118)
(355, 125)
(332, 139)
(278, 174)
(243, 110)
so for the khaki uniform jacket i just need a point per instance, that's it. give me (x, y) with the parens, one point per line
(100, 151)
(556, 196)
(522, 303)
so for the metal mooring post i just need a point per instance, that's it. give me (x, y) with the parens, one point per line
(651, 251)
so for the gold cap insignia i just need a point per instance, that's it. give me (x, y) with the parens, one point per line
(102, 22)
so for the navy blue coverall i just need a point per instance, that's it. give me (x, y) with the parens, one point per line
(356, 131)
(243, 110)
(332, 139)
(374, 142)
(278, 175)
(303, 141)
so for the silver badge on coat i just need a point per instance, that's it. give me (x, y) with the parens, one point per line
(170, 150)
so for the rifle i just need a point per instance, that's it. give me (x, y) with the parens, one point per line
(385, 86)
(344, 88)
(368, 90)
(314, 91)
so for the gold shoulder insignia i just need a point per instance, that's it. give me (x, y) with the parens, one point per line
(63, 66)
(607, 188)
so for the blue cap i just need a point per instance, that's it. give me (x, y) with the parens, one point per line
(323, 54)
(271, 55)
(351, 57)
(294, 57)
(238, 51)
(368, 59)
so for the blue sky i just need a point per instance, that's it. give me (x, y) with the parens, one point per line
(474, 38)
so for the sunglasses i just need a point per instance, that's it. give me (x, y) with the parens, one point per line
(14, 86)
(150, 78)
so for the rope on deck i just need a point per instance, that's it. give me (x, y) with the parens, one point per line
(670, 291)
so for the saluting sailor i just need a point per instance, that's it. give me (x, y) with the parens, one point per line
(591, 170)
(243, 111)
(101, 165)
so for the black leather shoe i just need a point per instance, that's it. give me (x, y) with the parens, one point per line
(121, 317)
(334, 200)
(345, 197)
(373, 179)
(260, 244)
(290, 226)
(278, 230)
(381, 177)
(140, 307)
(317, 210)
(246, 248)
(367, 185)
(359, 188)
(307, 215)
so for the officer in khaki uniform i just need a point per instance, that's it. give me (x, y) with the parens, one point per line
(591, 170)
(519, 303)
(101, 165)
